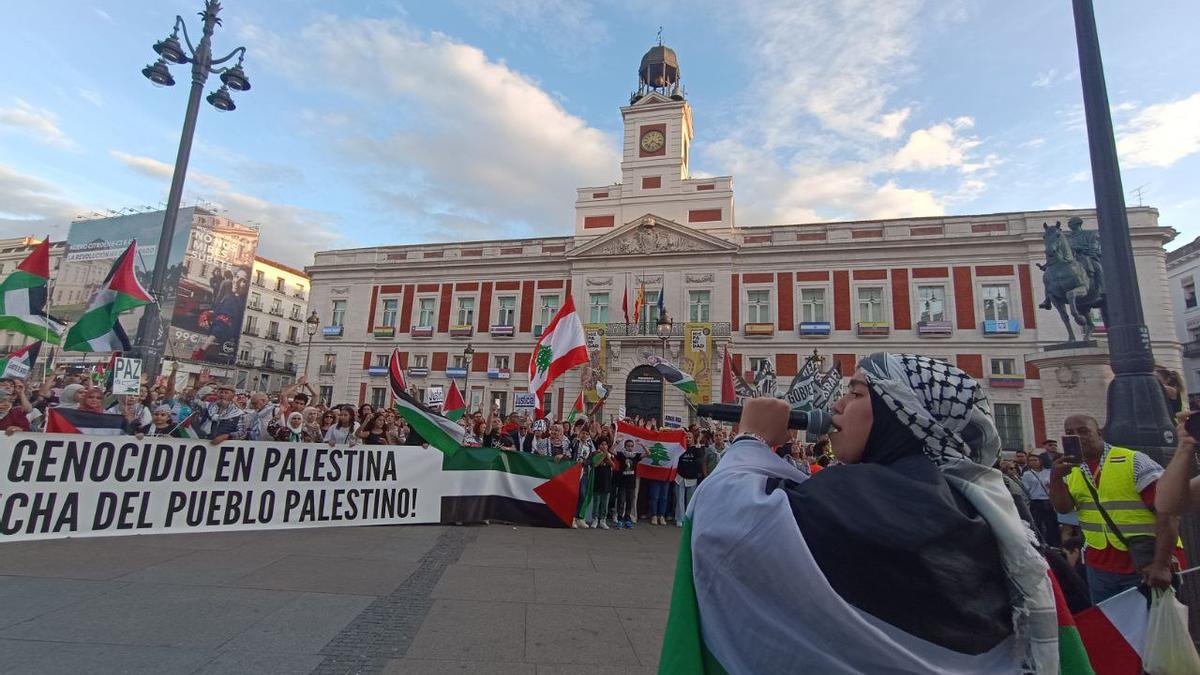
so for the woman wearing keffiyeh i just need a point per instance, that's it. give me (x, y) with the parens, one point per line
(908, 558)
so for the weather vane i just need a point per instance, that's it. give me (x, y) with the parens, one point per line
(660, 36)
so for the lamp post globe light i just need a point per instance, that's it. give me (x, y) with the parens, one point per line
(310, 327)
(468, 352)
(664, 327)
(171, 51)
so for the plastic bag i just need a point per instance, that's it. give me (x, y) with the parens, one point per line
(1169, 649)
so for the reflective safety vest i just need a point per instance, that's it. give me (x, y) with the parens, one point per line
(1119, 495)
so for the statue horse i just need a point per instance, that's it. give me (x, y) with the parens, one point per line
(1068, 287)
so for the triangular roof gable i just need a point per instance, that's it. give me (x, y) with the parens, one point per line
(651, 234)
(651, 98)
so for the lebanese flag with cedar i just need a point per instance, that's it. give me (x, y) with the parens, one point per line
(561, 347)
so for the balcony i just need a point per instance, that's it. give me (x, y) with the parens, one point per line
(422, 331)
(935, 329)
(1006, 381)
(456, 372)
(814, 328)
(327, 369)
(377, 371)
(1191, 349)
(462, 330)
(384, 331)
(299, 294)
(874, 328)
(618, 330)
(296, 316)
(256, 306)
(500, 331)
(1001, 328)
(762, 329)
(418, 371)
(272, 335)
(264, 363)
(499, 374)
(275, 311)
(293, 341)
(246, 360)
(333, 331)
(250, 330)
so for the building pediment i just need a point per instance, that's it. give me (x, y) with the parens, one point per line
(651, 235)
(652, 98)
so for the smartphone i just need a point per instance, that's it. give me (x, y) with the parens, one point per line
(1072, 449)
(1193, 426)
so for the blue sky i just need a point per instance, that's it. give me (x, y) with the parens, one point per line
(401, 122)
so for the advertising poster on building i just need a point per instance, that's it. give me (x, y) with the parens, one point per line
(206, 321)
(70, 485)
(697, 359)
(594, 374)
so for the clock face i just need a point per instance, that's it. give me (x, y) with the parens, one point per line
(652, 141)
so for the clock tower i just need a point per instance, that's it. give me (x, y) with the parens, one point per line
(656, 148)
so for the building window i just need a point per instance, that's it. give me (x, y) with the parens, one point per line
(280, 284)
(460, 361)
(296, 313)
(598, 304)
(466, 311)
(326, 395)
(252, 325)
(273, 330)
(757, 362)
(244, 354)
(300, 292)
(378, 397)
(255, 302)
(293, 334)
(268, 358)
(420, 360)
(932, 303)
(758, 306)
(1189, 292)
(381, 360)
(995, 302)
(242, 379)
(501, 361)
(277, 307)
(258, 277)
(389, 311)
(507, 310)
(1004, 366)
(698, 305)
(339, 313)
(329, 363)
(1008, 422)
(870, 304)
(425, 315)
(812, 305)
(549, 309)
(264, 381)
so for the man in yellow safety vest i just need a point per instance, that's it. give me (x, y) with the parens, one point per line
(1125, 482)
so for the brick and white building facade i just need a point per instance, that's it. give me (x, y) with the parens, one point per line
(962, 288)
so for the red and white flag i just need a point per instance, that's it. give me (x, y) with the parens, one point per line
(1114, 633)
(661, 449)
(561, 347)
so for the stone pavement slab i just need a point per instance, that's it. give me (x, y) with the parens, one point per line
(413, 599)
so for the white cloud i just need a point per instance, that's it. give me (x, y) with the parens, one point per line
(1033, 143)
(1044, 80)
(288, 233)
(938, 146)
(93, 97)
(477, 145)
(32, 206)
(37, 122)
(1161, 134)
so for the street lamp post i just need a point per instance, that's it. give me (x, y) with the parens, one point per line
(310, 327)
(664, 327)
(468, 352)
(150, 334)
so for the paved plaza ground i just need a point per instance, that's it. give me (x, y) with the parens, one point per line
(414, 599)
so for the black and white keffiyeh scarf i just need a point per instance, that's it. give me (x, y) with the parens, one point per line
(947, 411)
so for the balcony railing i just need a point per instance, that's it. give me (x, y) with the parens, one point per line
(275, 311)
(292, 341)
(250, 330)
(272, 336)
(719, 329)
(327, 370)
(267, 364)
(256, 306)
(1191, 349)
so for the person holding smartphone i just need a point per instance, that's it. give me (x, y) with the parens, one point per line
(1114, 489)
(1176, 494)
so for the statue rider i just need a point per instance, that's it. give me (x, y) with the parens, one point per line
(1085, 247)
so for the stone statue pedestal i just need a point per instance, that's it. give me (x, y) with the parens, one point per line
(1074, 379)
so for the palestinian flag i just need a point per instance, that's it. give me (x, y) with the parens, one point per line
(1114, 633)
(561, 347)
(99, 329)
(75, 421)
(661, 448)
(673, 375)
(576, 409)
(20, 363)
(23, 297)
(454, 407)
(1072, 657)
(396, 374)
(513, 487)
(437, 431)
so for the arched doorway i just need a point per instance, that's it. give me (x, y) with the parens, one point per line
(644, 393)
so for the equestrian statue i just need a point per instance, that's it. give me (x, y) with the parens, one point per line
(1072, 275)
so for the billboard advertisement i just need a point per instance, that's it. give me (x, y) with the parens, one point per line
(203, 295)
(210, 298)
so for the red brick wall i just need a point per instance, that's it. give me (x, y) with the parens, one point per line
(521, 362)
(812, 276)
(467, 286)
(1032, 372)
(786, 365)
(735, 302)
(1039, 420)
(787, 289)
(371, 310)
(550, 283)
(651, 182)
(704, 215)
(1028, 309)
(366, 360)
(978, 228)
(870, 275)
(846, 363)
(901, 310)
(736, 360)
(428, 288)
(508, 285)
(593, 222)
(866, 234)
(964, 298)
(439, 361)
(993, 270)
(841, 300)
(527, 307)
(403, 359)
(479, 362)
(972, 364)
(930, 273)
(758, 277)
(485, 307)
(407, 308)
(444, 307)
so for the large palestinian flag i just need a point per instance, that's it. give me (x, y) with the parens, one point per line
(661, 449)
(513, 487)
(75, 421)
(99, 329)
(23, 297)
(674, 376)
(18, 364)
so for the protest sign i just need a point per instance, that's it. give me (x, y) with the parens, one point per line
(672, 421)
(127, 376)
(524, 400)
(435, 397)
(71, 485)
